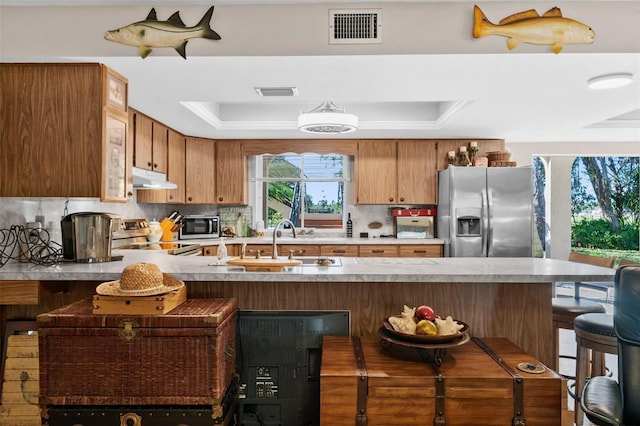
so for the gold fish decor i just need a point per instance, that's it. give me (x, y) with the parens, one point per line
(528, 27)
(151, 33)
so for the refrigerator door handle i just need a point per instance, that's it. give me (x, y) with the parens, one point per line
(489, 233)
(485, 221)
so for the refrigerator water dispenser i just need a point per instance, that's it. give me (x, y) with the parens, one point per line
(468, 223)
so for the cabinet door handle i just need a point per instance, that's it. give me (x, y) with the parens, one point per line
(401, 198)
(207, 252)
(339, 251)
(149, 163)
(391, 199)
(377, 251)
(420, 251)
(155, 165)
(220, 199)
(190, 199)
(171, 197)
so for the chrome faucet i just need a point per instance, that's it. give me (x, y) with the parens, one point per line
(274, 248)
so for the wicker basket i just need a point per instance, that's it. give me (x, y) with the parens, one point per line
(498, 156)
(184, 357)
(502, 164)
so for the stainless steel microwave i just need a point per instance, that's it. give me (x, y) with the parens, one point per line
(199, 227)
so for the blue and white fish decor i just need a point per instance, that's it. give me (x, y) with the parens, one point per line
(151, 33)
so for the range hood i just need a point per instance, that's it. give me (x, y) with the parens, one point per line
(146, 179)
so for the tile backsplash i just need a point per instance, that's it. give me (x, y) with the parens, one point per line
(19, 211)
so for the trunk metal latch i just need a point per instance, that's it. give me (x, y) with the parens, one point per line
(128, 333)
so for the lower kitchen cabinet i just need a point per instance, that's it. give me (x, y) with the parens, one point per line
(382, 250)
(232, 250)
(339, 250)
(334, 250)
(421, 250)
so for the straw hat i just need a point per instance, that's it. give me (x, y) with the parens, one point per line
(140, 279)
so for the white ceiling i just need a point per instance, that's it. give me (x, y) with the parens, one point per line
(436, 87)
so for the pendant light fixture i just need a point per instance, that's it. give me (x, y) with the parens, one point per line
(327, 119)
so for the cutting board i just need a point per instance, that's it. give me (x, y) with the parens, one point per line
(265, 264)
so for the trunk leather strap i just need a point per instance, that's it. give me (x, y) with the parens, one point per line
(363, 382)
(518, 383)
(439, 419)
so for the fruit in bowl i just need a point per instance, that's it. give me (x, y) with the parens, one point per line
(424, 321)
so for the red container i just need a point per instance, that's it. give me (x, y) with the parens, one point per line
(413, 212)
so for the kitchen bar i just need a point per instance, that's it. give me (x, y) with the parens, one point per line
(497, 297)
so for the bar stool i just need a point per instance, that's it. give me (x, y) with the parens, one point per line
(566, 309)
(595, 334)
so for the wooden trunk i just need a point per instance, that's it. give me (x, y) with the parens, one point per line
(184, 357)
(477, 383)
(146, 415)
(139, 305)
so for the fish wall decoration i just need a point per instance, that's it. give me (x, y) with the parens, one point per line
(151, 33)
(528, 27)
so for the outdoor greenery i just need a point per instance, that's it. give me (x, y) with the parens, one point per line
(289, 182)
(605, 208)
(605, 198)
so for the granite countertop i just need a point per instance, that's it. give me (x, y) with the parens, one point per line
(383, 270)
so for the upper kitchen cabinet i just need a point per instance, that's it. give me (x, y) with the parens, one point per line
(232, 173)
(376, 172)
(150, 143)
(395, 172)
(417, 177)
(176, 152)
(200, 178)
(447, 145)
(64, 131)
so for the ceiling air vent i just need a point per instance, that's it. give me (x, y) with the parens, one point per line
(355, 26)
(277, 91)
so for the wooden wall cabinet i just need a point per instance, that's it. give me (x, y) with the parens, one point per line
(200, 173)
(176, 152)
(232, 173)
(206, 172)
(396, 172)
(64, 131)
(150, 143)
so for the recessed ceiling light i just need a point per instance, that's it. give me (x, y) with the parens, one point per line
(277, 91)
(610, 81)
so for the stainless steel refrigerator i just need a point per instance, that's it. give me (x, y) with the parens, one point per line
(485, 211)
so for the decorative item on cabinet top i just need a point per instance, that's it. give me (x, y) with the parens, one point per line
(150, 33)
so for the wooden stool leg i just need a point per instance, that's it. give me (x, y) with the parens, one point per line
(556, 344)
(599, 367)
(582, 369)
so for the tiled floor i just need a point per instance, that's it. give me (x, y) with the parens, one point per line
(568, 338)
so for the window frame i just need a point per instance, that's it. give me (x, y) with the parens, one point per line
(258, 185)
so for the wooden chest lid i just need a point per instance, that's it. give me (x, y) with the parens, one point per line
(196, 313)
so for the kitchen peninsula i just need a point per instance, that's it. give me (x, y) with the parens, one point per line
(497, 297)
